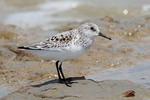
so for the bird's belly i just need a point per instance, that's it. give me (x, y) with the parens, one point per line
(61, 56)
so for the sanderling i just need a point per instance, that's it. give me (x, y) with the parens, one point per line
(66, 45)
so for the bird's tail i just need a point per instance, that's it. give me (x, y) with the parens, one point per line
(28, 48)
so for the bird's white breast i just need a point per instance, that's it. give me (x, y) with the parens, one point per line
(61, 54)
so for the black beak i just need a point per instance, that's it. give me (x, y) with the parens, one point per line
(102, 35)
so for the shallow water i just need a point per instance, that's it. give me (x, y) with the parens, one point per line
(139, 73)
(48, 14)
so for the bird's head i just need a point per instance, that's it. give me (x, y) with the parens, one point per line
(91, 30)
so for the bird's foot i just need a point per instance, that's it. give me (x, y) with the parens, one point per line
(67, 81)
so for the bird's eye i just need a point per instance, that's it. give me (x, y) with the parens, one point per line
(93, 29)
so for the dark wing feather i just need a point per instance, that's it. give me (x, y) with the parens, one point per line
(61, 40)
(28, 48)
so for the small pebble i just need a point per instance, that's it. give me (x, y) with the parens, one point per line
(49, 77)
(55, 75)
(130, 34)
(129, 93)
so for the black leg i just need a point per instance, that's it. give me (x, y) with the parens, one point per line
(64, 79)
(60, 79)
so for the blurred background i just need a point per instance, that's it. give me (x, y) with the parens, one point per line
(47, 14)
(126, 57)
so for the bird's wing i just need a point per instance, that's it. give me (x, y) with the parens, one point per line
(56, 42)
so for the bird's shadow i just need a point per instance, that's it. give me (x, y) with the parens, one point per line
(71, 79)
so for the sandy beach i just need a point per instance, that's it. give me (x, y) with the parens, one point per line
(110, 70)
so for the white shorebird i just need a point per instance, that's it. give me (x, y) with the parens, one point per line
(66, 45)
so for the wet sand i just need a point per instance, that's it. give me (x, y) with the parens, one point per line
(19, 70)
(82, 90)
